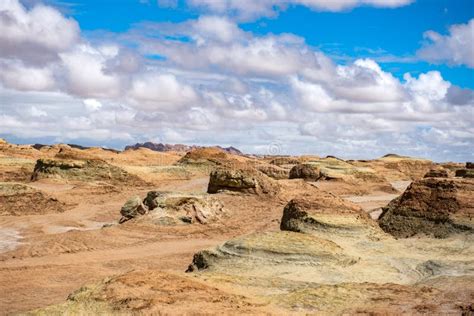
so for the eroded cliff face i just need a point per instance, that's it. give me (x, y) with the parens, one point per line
(433, 206)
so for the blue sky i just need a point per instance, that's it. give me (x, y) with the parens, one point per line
(315, 76)
(353, 33)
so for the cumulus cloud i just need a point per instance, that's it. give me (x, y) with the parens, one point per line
(456, 48)
(216, 28)
(92, 105)
(34, 36)
(270, 55)
(161, 92)
(249, 9)
(364, 81)
(18, 76)
(84, 71)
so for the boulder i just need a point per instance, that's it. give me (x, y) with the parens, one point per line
(469, 165)
(305, 171)
(153, 199)
(432, 206)
(241, 180)
(132, 208)
(436, 173)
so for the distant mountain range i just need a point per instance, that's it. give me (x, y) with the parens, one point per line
(178, 147)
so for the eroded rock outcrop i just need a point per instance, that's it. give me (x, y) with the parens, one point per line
(395, 167)
(437, 173)
(172, 208)
(324, 212)
(273, 171)
(132, 208)
(244, 180)
(432, 206)
(210, 156)
(465, 173)
(83, 170)
(307, 172)
(20, 199)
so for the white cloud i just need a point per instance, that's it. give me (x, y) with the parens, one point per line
(84, 71)
(217, 28)
(92, 105)
(457, 48)
(36, 35)
(262, 56)
(311, 96)
(161, 92)
(430, 85)
(16, 75)
(250, 9)
(35, 112)
(364, 81)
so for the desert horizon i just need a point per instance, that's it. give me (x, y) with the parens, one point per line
(273, 150)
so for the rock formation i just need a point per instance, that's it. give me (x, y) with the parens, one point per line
(307, 172)
(171, 208)
(436, 173)
(307, 214)
(273, 171)
(83, 170)
(241, 180)
(467, 172)
(432, 206)
(20, 199)
(207, 156)
(132, 208)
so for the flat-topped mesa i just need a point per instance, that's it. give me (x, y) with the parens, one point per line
(436, 207)
(245, 180)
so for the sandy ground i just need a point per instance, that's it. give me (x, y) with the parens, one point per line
(44, 258)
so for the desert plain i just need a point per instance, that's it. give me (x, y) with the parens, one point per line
(210, 230)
